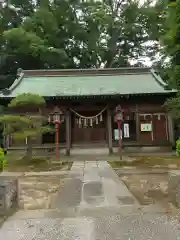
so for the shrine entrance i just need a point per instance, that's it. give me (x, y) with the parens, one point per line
(89, 126)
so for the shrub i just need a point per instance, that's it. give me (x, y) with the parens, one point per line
(178, 147)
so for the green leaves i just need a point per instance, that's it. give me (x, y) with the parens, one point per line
(86, 34)
(13, 119)
(27, 100)
(32, 132)
(22, 126)
(173, 106)
(171, 42)
(20, 41)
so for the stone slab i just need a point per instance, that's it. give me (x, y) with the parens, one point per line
(174, 187)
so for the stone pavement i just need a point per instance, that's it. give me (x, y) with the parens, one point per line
(93, 184)
(92, 204)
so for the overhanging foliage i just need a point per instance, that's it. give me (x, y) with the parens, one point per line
(173, 106)
(27, 100)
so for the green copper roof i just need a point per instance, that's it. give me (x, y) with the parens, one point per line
(49, 85)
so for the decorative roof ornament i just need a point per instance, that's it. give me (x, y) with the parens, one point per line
(19, 71)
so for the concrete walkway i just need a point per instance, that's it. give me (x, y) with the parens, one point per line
(92, 204)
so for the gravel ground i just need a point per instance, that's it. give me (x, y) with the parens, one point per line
(148, 188)
(36, 192)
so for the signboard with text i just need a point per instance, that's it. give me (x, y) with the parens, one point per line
(146, 127)
(126, 130)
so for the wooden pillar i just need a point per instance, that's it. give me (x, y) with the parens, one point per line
(68, 132)
(40, 138)
(137, 124)
(109, 128)
(170, 128)
(153, 124)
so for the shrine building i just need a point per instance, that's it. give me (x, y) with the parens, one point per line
(86, 99)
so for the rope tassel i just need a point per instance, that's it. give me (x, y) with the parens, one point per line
(85, 122)
(97, 120)
(91, 122)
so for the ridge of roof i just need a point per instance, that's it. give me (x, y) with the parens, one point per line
(86, 69)
(90, 71)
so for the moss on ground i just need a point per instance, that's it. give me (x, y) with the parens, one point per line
(146, 161)
(17, 163)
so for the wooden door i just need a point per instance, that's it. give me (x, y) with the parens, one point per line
(160, 128)
(145, 137)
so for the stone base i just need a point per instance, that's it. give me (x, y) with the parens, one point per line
(147, 149)
(95, 150)
(8, 195)
(174, 187)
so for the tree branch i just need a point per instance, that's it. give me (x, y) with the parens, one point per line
(119, 3)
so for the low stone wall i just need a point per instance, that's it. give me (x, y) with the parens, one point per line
(174, 187)
(8, 195)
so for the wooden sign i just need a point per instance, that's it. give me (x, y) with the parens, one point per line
(146, 127)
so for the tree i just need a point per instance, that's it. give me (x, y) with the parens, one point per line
(12, 14)
(86, 34)
(173, 106)
(171, 42)
(25, 126)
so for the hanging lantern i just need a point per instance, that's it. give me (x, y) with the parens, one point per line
(56, 118)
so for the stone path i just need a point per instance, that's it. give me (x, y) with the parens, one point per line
(93, 204)
(93, 184)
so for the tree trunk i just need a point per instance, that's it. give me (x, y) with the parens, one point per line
(29, 149)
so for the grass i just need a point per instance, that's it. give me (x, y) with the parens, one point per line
(17, 163)
(147, 161)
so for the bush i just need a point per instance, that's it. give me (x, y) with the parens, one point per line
(178, 147)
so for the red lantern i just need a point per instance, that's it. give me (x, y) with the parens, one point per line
(56, 117)
(119, 119)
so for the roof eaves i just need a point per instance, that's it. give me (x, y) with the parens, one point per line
(7, 91)
(112, 95)
(87, 75)
(160, 81)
